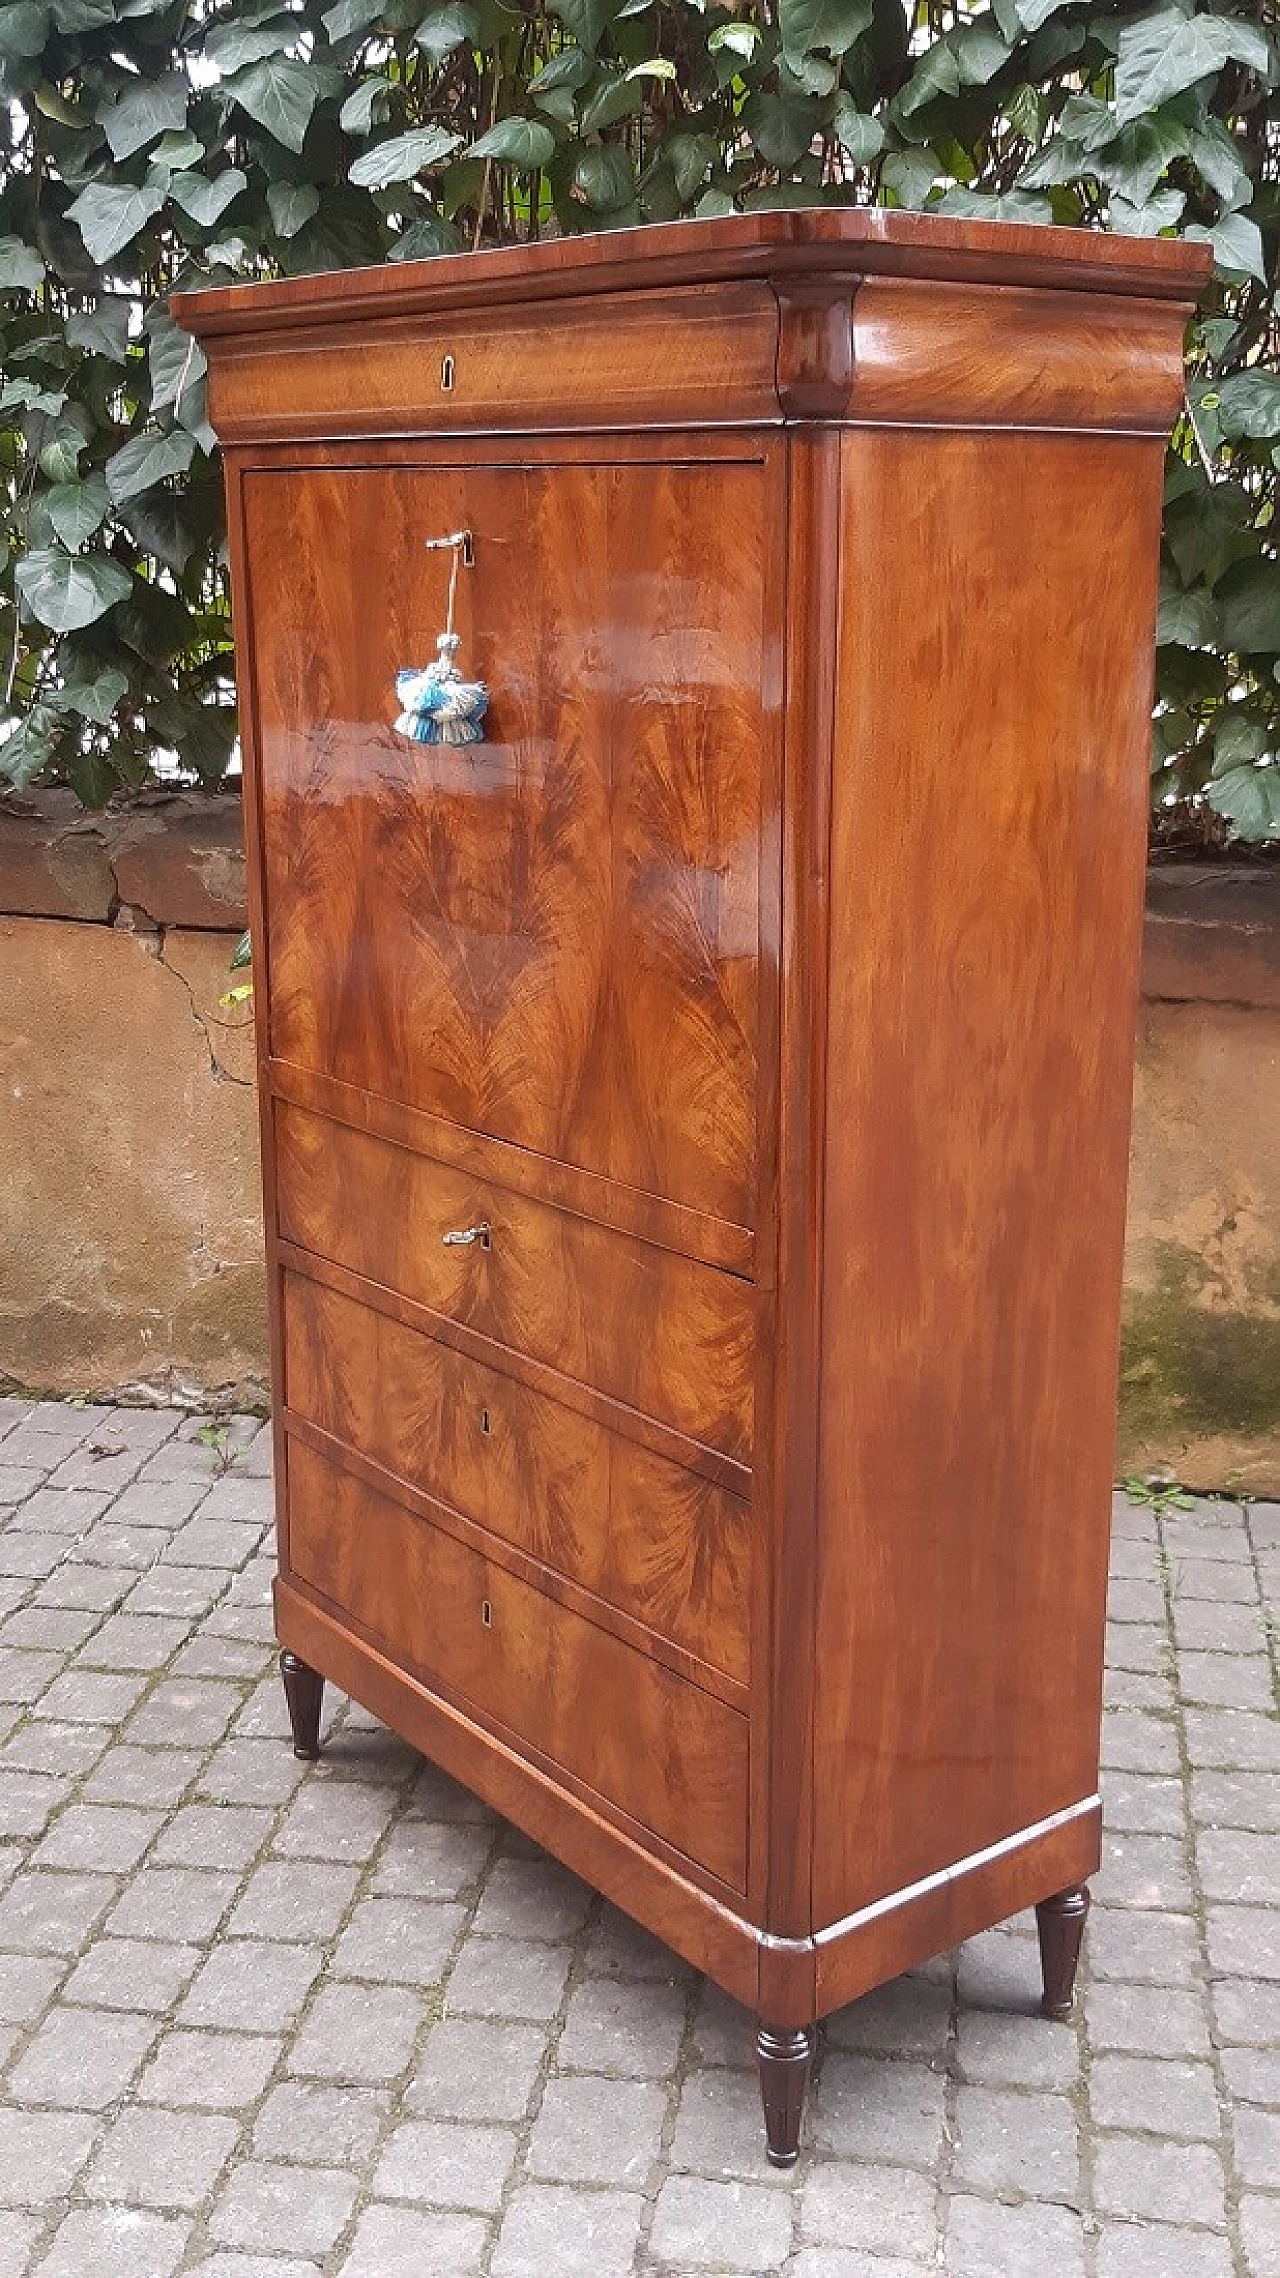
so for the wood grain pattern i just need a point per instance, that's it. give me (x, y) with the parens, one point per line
(551, 937)
(981, 1027)
(667, 1336)
(662, 1750)
(660, 1543)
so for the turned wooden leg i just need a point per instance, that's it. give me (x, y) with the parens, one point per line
(1060, 1922)
(785, 2055)
(304, 1691)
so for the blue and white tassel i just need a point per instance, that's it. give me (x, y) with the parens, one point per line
(437, 705)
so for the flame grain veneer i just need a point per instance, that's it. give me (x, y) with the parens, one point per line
(730, 1509)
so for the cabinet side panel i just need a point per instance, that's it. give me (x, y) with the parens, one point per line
(988, 838)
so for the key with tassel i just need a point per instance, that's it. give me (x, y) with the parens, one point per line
(437, 706)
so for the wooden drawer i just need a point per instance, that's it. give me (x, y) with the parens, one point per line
(661, 1544)
(646, 1740)
(670, 1337)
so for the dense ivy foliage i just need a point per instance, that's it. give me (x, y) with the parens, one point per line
(152, 142)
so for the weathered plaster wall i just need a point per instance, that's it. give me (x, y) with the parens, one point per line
(130, 1230)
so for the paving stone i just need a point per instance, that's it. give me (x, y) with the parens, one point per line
(88, 1588)
(1244, 1941)
(999, 2049)
(207, 1541)
(1225, 1680)
(1233, 1740)
(1156, 2250)
(1162, 2098)
(207, 1656)
(52, 1913)
(1133, 1742)
(27, 1983)
(256, 1772)
(1237, 1799)
(617, 1947)
(1260, 2231)
(426, 1859)
(213, 1835)
(134, 1641)
(501, 1977)
(447, 2164)
(989, 2239)
(997, 1971)
(1146, 2180)
(156, 1776)
(101, 1464)
(26, 1800)
(103, 1836)
(1239, 1866)
(591, 2129)
(1194, 1577)
(396, 1941)
(84, 1696)
(60, 1750)
(881, 2209)
(334, 1819)
(1147, 2020)
(251, 1985)
(616, 2027)
(18, 2234)
(1252, 2075)
(1011, 2142)
(115, 2242)
(700, 2225)
(1145, 1871)
(532, 1898)
(282, 1902)
(872, 2110)
(575, 2234)
(911, 2016)
(848, 2262)
(1135, 1803)
(124, 1973)
(722, 2032)
(334, 2127)
(181, 1591)
(294, 2209)
(210, 2071)
(1257, 2149)
(53, 1629)
(1246, 2013)
(25, 1676)
(82, 2059)
(60, 1511)
(40, 2155)
(155, 2158)
(1154, 1949)
(469, 2070)
(184, 1712)
(358, 2033)
(397, 2242)
(1216, 1626)
(162, 1899)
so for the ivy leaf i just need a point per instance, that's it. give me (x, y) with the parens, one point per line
(280, 94)
(979, 53)
(77, 509)
(109, 219)
(232, 46)
(1237, 245)
(101, 331)
(176, 363)
(1033, 13)
(290, 204)
(206, 197)
(782, 126)
(31, 747)
(369, 105)
(66, 591)
(860, 137)
(147, 459)
(1248, 598)
(24, 29)
(447, 28)
(21, 268)
(602, 177)
(1185, 620)
(93, 699)
(402, 158)
(1162, 52)
(518, 142)
(1249, 797)
(145, 112)
(426, 237)
(937, 73)
(690, 157)
(1249, 404)
(348, 17)
(739, 39)
(831, 25)
(612, 99)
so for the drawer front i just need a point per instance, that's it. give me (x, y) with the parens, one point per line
(658, 1542)
(670, 1337)
(646, 1740)
(550, 937)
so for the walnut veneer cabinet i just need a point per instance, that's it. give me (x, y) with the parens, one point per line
(695, 1116)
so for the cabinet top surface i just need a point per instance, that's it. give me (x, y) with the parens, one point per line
(839, 242)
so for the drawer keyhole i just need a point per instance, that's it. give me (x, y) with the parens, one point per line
(486, 1424)
(446, 375)
(486, 1613)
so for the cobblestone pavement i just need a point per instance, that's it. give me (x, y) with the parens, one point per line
(267, 2021)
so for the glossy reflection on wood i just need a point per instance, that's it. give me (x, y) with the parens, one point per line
(694, 1135)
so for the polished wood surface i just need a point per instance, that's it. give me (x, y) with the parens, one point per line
(658, 1749)
(731, 1511)
(658, 1332)
(551, 937)
(980, 1031)
(652, 1539)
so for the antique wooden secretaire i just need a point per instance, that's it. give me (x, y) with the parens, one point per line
(695, 1030)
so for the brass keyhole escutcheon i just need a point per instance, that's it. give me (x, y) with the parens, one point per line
(447, 375)
(486, 1613)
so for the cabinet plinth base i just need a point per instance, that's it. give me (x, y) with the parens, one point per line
(785, 2055)
(1060, 1921)
(304, 1692)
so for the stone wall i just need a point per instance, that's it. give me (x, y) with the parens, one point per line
(130, 1230)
